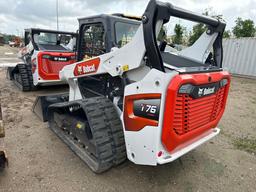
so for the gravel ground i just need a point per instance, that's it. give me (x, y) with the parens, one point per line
(39, 161)
(8, 55)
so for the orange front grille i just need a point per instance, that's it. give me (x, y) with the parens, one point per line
(190, 114)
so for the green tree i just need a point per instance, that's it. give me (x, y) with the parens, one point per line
(8, 37)
(244, 28)
(197, 31)
(162, 36)
(178, 37)
(227, 34)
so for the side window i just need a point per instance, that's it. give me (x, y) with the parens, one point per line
(64, 39)
(93, 43)
(124, 32)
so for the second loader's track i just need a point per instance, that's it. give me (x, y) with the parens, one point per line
(23, 77)
(92, 129)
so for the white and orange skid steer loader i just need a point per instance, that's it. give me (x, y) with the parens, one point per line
(142, 101)
(45, 53)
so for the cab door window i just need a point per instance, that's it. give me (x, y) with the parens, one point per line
(93, 40)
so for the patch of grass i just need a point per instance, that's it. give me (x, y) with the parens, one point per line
(188, 187)
(246, 144)
(254, 100)
(212, 168)
(223, 132)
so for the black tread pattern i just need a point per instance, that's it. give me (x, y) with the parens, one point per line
(115, 124)
(101, 133)
(106, 128)
(23, 79)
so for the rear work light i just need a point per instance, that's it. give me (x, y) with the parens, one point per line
(223, 82)
(46, 56)
(186, 89)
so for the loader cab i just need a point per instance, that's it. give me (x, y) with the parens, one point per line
(98, 34)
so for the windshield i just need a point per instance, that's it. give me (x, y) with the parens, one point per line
(54, 41)
(47, 38)
(125, 32)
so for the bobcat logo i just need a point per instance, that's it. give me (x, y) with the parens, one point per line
(86, 69)
(205, 91)
(200, 92)
(79, 70)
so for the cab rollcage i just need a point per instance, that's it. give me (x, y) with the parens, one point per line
(161, 12)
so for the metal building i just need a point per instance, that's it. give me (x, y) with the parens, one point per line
(240, 56)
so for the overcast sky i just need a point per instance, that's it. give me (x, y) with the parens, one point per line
(15, 15)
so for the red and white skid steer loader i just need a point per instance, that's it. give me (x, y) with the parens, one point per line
(45, 53)
(141, 101)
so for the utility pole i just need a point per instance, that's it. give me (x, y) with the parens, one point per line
(57, 14)
(18, 32)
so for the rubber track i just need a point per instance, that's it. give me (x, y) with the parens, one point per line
(106, 129)
(116, 130)
(24, 79)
